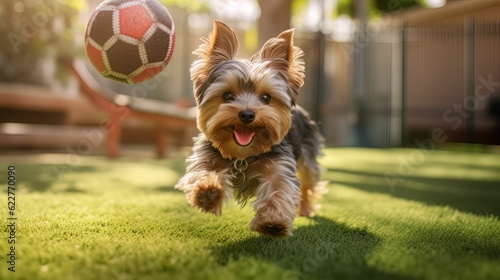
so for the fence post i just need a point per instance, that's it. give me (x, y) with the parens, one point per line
(404, 86)
(469, 73)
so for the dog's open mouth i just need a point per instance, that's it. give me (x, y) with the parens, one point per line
(243, 135)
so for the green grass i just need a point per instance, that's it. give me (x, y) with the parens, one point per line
(434, 217)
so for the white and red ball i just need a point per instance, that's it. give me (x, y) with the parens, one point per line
(130, 41)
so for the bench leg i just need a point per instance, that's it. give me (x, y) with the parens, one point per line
(114, 134)
(161, 142)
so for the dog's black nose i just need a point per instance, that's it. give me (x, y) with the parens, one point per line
(246, 116)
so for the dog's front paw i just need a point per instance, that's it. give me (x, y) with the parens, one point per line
(307, 210)
(272, 224)
(208, 195)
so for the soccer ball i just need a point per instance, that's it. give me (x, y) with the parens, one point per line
(130, 41)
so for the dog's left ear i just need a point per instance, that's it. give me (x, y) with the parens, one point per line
(285, 57)
(220, 46)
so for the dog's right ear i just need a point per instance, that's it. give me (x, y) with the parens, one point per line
(221, 45)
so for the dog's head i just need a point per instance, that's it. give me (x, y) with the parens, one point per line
(244, 105)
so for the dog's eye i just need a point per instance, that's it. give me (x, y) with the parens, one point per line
(227, 97)
(265, 98)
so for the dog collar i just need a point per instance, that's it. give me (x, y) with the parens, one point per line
(238, 168)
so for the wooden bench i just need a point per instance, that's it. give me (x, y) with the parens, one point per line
(119, 107)
(39, 136)
(38, 117)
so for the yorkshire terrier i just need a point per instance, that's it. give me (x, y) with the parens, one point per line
(254, 140)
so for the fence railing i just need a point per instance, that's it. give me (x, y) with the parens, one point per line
(397, 86)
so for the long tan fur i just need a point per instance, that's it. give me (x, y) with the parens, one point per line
(276, 162)
(221, 45)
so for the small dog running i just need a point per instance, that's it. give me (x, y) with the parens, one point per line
(254, 141)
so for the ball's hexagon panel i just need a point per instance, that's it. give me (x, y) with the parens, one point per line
(161, 14)
(102, 27)
(157, 46)
(124, 57)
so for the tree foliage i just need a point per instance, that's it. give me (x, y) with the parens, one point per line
(33, 29)
(376, 7)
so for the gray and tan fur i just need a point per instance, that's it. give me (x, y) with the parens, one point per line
(254, 140)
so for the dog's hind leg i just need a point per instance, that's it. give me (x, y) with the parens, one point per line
(311, 187)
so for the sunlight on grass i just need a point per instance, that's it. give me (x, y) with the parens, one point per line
(429, 163)
(122, 219)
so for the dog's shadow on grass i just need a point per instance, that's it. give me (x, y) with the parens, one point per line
(323, 250)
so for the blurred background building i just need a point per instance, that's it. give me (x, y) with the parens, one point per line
(379, 73)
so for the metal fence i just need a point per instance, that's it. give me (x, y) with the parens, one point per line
(402, 85)
(389, 86)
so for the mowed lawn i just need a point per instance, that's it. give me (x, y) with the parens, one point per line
(389, 214)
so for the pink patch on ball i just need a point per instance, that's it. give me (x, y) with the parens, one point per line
(134, 21)
(147, 74)
(95, 57)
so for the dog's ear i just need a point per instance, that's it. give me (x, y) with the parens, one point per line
(285, 57)
(221, 45)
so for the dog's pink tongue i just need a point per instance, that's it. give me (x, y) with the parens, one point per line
(243, 135)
